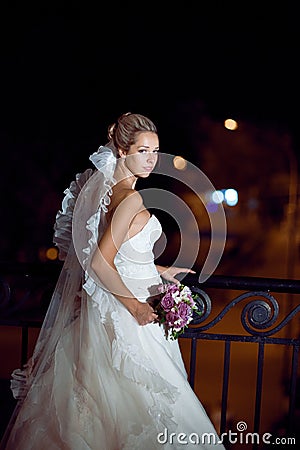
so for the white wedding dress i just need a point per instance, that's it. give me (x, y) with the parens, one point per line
(126, 388)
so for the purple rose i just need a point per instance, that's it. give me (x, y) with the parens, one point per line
(167, 302)
(175, 321)
(184, 310)
(183, 322)
(171, 318)
(172, 288)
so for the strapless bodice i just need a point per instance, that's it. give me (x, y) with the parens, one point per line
(135, 260)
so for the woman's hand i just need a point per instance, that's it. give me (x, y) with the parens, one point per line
(169, 273)
(143, 313)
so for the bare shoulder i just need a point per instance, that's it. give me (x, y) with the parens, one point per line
(132, 195)
(130, 198)
(127, 199)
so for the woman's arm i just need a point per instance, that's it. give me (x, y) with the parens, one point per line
(169, 273)
(103, 259)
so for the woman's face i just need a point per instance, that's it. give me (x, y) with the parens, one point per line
(142, 156)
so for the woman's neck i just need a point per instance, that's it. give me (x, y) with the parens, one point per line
(124, 175)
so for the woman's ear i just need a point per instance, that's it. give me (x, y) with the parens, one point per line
(122, 153)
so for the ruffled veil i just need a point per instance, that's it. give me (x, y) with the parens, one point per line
(79, 225)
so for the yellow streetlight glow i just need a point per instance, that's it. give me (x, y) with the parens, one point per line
(52, 253)
(179, 163)
(230, 124)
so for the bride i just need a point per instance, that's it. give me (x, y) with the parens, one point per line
(103, 375)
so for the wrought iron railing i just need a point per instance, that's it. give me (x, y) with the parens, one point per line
(264, 321)
(260, 319)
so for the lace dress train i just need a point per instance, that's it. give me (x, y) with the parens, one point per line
(113, 384)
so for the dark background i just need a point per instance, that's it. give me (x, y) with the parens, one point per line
(70, 69)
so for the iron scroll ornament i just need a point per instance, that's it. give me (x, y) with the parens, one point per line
(259, 314)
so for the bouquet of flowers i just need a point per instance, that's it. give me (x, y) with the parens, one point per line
(175, 309)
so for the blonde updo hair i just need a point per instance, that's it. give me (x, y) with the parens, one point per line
(122, 134)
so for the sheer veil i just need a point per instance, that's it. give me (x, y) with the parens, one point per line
(79, 225)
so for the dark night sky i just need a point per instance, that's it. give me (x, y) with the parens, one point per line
(69, 69)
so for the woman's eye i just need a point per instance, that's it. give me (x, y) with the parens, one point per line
(145, 151)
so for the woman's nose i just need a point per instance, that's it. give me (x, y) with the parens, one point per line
(151, 157)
